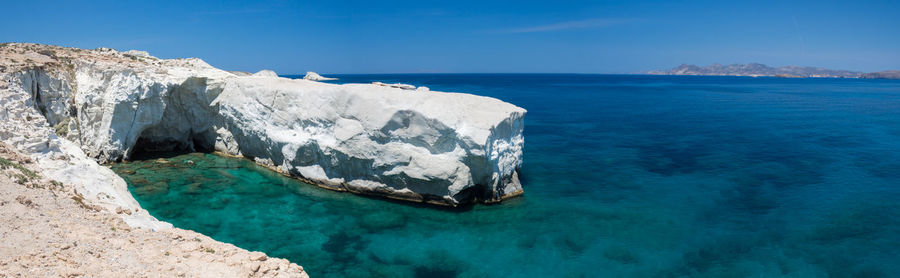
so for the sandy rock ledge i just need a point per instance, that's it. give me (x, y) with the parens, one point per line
(49, 230)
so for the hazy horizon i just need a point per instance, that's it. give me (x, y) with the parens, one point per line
(347, 37)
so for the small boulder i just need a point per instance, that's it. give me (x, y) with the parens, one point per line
(137, 53)
(258, 256)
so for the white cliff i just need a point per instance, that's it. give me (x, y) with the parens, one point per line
(102, 105)
(316, 77)
(23, 126)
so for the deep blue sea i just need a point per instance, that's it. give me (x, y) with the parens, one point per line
(624, 176)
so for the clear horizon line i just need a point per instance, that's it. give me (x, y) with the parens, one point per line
(414, 73)
(557, 73)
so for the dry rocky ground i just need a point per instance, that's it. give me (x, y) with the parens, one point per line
(49, 230)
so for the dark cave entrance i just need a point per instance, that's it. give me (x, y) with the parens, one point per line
(148, 147)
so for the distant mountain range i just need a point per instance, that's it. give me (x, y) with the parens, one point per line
(756, 69)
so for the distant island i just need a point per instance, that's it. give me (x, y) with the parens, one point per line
(888, 74)
(756, 69)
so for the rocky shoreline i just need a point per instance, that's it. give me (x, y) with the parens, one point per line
(50, 230)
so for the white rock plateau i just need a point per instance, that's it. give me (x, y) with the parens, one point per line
(72, 108)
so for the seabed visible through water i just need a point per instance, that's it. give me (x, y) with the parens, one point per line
(636, 176)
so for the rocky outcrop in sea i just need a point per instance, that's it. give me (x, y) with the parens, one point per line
(316, 77)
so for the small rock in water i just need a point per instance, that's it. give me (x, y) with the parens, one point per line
(316, 77)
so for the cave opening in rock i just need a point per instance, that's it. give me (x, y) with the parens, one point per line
(149, 147)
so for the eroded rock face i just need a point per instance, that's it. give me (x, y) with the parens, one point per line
(39, 94)
(443, 148)
(106, 101)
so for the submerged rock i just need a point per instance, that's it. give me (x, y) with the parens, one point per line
(378, 139)
(382, 220)
(153, 188)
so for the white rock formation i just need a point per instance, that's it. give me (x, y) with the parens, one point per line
(316, 77)
(444, 148)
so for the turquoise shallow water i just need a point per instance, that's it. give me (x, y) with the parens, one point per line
(631, 176)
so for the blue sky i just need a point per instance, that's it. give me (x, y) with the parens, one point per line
(473, 36)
